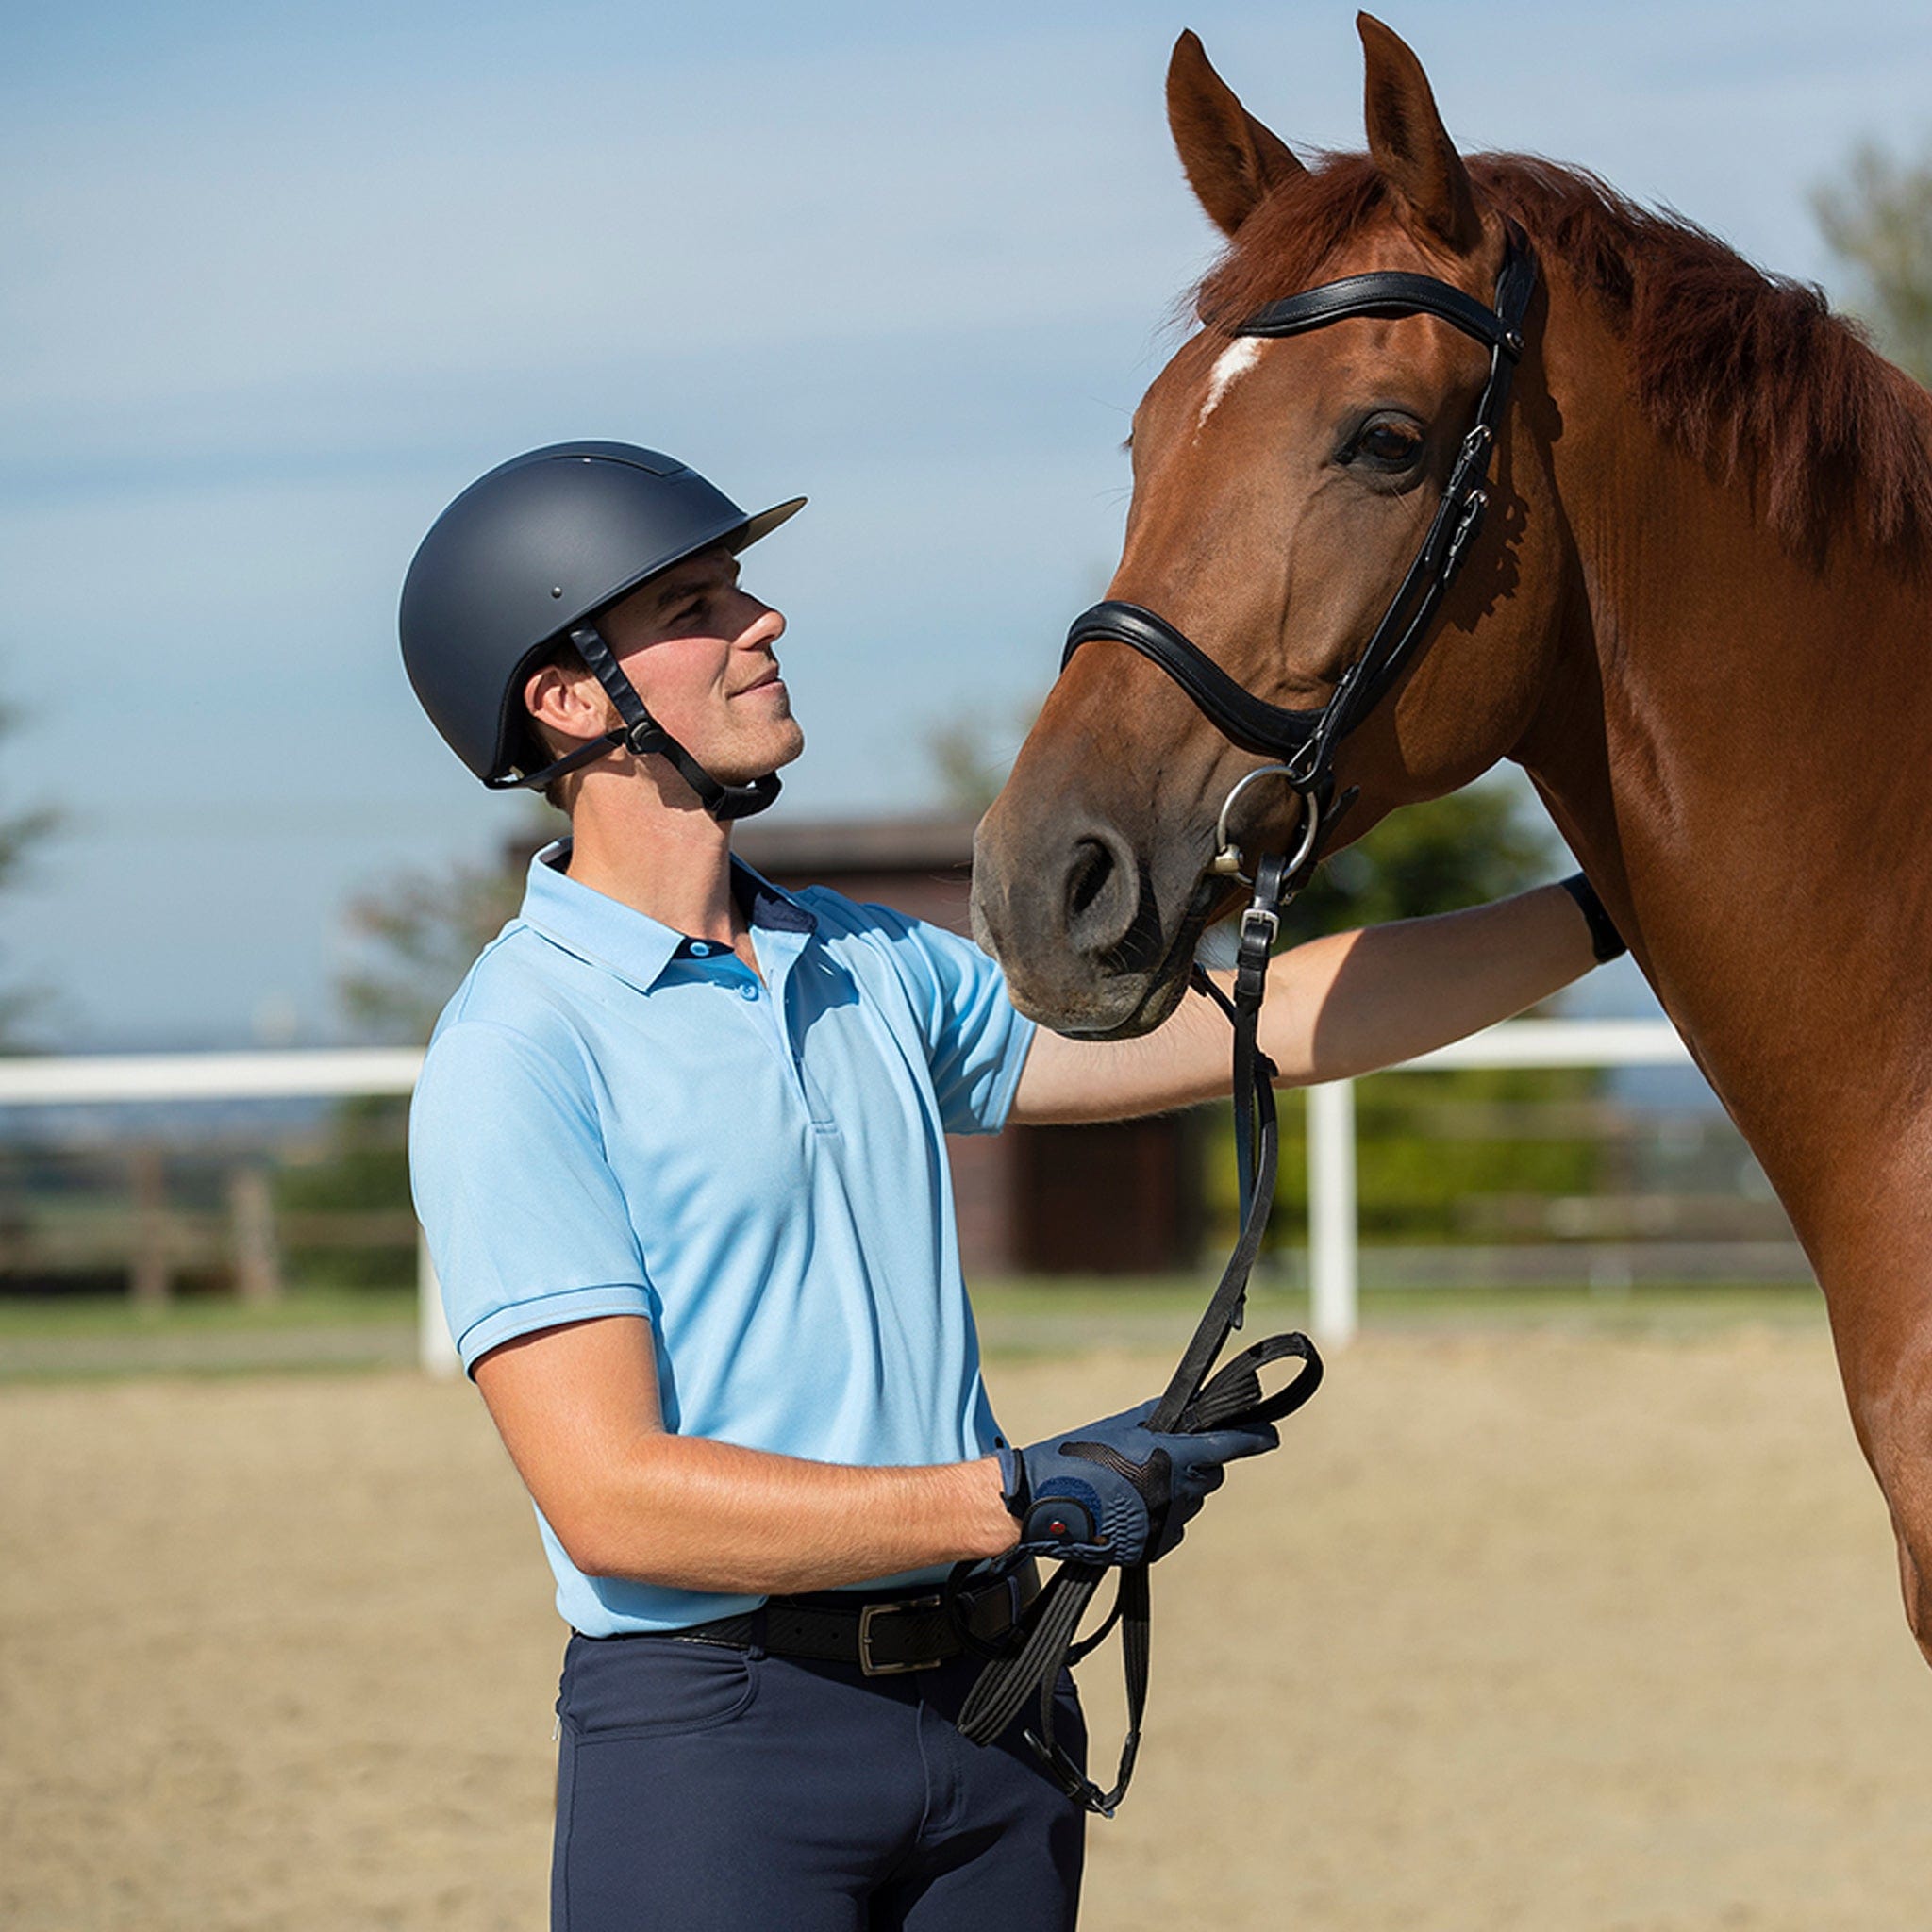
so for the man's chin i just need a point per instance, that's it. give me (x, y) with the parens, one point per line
(778, 748)
(791, 747)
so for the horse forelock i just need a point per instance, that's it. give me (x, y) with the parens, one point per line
(1750, 373)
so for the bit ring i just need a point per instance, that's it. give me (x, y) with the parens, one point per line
(1226, 862)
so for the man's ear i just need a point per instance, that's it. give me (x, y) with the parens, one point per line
(569, 701)
(1409, 142)
(1231, 160)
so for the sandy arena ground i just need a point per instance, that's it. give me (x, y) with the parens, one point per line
(1519, 1631)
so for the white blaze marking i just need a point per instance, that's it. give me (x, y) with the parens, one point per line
(1235, 361)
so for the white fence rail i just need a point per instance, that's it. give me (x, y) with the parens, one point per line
(308, 1073)
(1334, 1263)
(324, 1072)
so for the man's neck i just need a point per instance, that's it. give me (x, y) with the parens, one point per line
(673, 866)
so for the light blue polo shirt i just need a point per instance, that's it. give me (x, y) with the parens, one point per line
(615, 1120)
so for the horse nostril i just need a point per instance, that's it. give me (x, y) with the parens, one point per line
(1092, 867)
(1102, 892)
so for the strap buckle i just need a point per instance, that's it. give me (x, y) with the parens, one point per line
(868, 1620)
(1070, 1778)
(1476, 445)
(1467, 528)
(1260, 928)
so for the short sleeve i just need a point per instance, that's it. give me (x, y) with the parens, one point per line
(525, 1223)
(976, 1040)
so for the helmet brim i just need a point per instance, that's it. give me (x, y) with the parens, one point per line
(766, 521)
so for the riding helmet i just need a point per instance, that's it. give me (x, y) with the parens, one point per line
(530, 555)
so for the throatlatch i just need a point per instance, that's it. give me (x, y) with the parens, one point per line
(1304, 744)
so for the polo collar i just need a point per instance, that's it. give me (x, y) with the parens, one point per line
(625, 942)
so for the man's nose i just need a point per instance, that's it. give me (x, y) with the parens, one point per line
(765, 626)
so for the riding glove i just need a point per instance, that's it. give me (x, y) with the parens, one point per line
(1115, 1492)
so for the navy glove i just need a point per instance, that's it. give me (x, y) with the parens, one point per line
(1116, 1493)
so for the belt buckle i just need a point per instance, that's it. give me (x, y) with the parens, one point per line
(870, 1615)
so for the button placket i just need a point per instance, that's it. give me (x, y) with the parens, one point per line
(779, 959)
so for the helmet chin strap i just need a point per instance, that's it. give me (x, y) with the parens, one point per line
(641, 735)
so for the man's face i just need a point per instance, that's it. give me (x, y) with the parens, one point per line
(700, 650)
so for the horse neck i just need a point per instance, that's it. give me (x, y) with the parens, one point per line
(1735, 742)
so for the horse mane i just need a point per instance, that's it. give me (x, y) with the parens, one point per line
(1750, 373)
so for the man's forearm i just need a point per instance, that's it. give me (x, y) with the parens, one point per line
(1353, 1002)
(1336, 1006)
(694, 1514)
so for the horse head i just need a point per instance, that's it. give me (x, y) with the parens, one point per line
(1281, 490)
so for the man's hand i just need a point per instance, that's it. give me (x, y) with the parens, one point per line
(1115, 1492)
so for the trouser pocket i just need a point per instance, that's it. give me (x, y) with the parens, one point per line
(652, 1686)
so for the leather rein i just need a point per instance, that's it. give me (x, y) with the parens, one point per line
(1303, 745)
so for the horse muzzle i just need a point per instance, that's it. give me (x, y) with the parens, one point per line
(1094, 938)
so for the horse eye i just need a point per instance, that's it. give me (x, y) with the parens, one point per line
(1387, 445)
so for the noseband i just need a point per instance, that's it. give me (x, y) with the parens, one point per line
(1303, 743)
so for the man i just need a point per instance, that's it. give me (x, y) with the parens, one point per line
(680, 1150)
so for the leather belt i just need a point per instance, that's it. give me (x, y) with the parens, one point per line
(883, 1636)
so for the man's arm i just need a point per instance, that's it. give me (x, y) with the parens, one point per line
(1338, 1006)
(577, 1408)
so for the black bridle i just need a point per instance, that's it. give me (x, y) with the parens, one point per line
(1303, 743)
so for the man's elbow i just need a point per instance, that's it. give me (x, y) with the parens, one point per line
(603, 1524)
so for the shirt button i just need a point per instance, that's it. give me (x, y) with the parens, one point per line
(700, 950)
(747, 992)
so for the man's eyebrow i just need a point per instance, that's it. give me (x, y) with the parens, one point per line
(675, 586)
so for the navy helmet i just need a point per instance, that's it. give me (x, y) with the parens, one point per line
(525, 561)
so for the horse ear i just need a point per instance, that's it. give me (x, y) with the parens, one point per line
(1409, 142)
(1231, 160)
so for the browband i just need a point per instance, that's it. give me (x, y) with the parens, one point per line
(1388, 292)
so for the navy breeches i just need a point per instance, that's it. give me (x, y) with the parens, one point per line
(702, 1789)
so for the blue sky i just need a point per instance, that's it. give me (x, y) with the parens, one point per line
(282, 281)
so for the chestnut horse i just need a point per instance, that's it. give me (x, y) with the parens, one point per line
(1697, 617)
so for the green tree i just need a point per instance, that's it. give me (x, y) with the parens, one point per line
(418, 935)
(1876, 218)
(972, 754)
(1466, 849)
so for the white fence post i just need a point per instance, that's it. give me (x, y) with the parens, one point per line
(434, 1351)
(1332, 1211)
